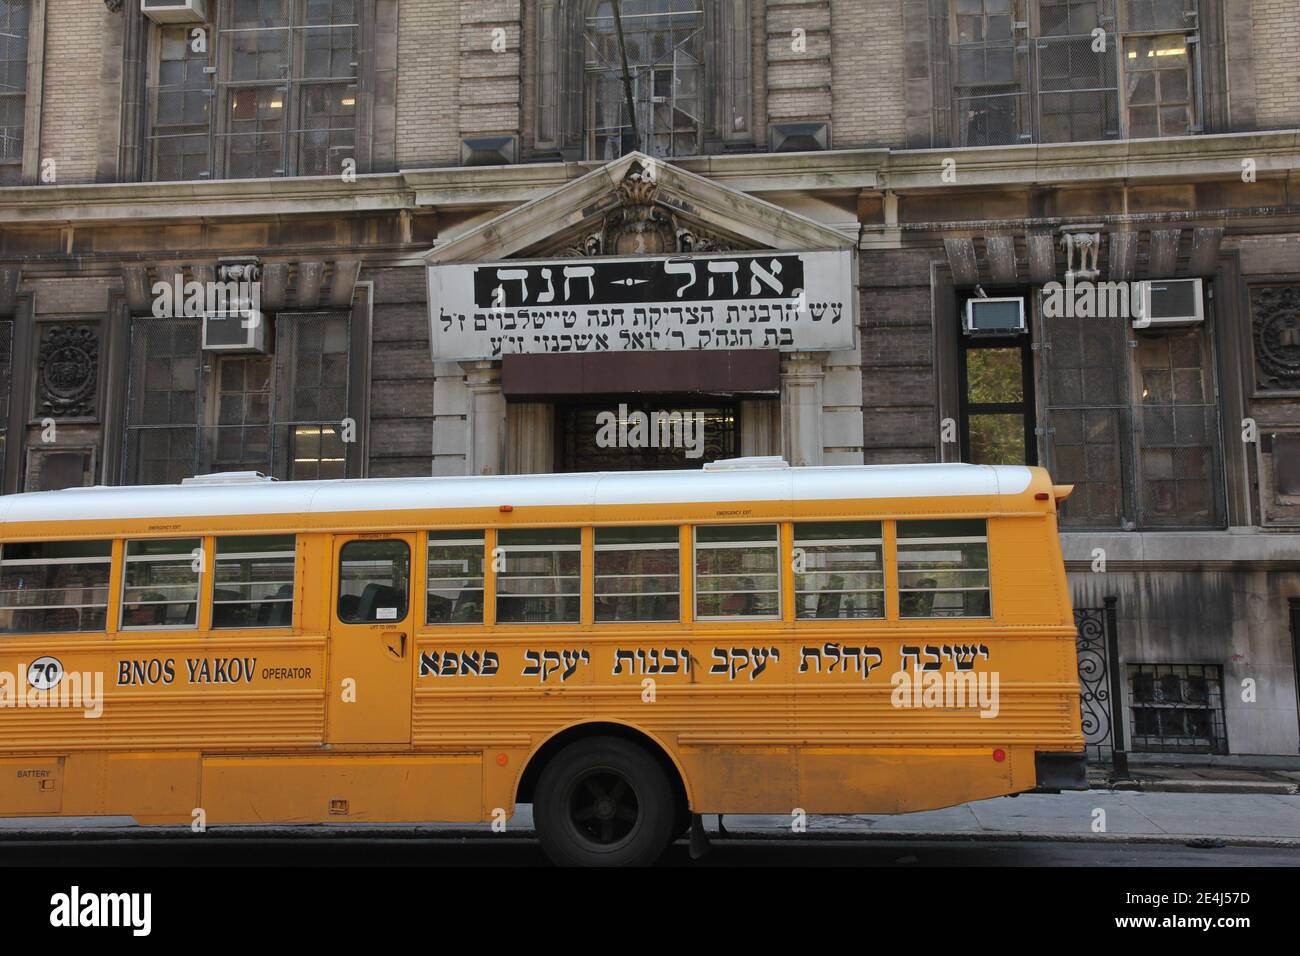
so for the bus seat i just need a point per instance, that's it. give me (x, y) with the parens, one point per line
(374, 597)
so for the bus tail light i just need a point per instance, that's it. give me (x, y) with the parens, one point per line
(999, 755)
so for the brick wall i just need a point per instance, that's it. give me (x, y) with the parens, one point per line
(798, 80)
(1277, 63)
(428, 54)
(867, 73)
(898, 362)
(489, 65)
(401, 376)
(74, 40)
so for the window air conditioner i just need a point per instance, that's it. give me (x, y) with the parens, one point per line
(1169, 302)
(237, 330)
(1004, 316)
(175, 11)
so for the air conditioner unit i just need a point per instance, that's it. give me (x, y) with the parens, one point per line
(236, 330)
(175, 11)
(1169, 302)
(1005, 316)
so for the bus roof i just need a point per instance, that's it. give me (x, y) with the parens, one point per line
(218, 497)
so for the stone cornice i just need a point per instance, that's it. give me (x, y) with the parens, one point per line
(498, 188)
(1183, 550)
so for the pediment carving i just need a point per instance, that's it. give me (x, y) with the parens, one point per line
(639, 222)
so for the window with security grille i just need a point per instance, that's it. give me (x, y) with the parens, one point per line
(191, 412)
(1134, 428)
(269, 89)
(1054, 71)
(689, 69)
(664, 45)
(14, 26)
(990, 71)
(1178, 468)
(180, 108)
(1177, 708)
(6, 383)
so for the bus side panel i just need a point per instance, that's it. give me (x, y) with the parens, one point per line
(762, 779)
(879, 780)
(338, 788)
(1028, 577)
(31, 786)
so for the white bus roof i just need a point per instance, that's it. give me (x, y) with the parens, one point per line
(229, 495)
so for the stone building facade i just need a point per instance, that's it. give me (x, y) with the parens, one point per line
(345, 152)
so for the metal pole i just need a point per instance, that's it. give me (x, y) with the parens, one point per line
(1119, 756)
(627, 75)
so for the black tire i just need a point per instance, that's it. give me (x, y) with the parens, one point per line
(604, 802)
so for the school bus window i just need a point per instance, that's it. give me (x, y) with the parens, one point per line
(637, 574)
(253, 581)
(373, 581)
(54, 586)
(737, 572)
(943, 569)
(839, 571)
(455, 577)
(542, 576)
(160, 583)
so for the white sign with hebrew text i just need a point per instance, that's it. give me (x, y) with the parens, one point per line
(792, 301)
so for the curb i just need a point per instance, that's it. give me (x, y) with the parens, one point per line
(1257, 787)
(475, 832)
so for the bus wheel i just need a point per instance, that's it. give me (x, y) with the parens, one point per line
(604, 802)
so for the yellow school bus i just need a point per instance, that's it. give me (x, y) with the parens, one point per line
(620, 650)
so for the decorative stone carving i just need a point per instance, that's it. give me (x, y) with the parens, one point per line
(638, 226)
(1275, 321)
(68, 371)
(1086, 241)
(642, 225)
(239, 270)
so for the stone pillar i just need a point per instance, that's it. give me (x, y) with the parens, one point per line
(485, 419)
(760, 427)
(530, 429)
(802, 375)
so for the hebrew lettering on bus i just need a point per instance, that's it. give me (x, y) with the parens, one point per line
(843, 659)
(734, 661)
(654, 661)
(931, 657)
(459, 663)
(544, 664)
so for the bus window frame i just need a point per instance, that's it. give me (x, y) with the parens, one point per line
(210, 551)
(202, 601)
(782, 572)
(673, 529)
(586, 598)
(489, 583)
(892, 581)
(96, 634)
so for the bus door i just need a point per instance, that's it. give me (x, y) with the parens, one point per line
(372, 640)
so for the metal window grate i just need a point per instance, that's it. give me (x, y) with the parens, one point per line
(190, 412)
(1177, 708)
(664, 42)
(14, 19)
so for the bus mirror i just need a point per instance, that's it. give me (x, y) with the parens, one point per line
(1062, 492)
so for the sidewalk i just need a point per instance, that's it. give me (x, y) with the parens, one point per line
(1124, 816)
(1176, 778)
